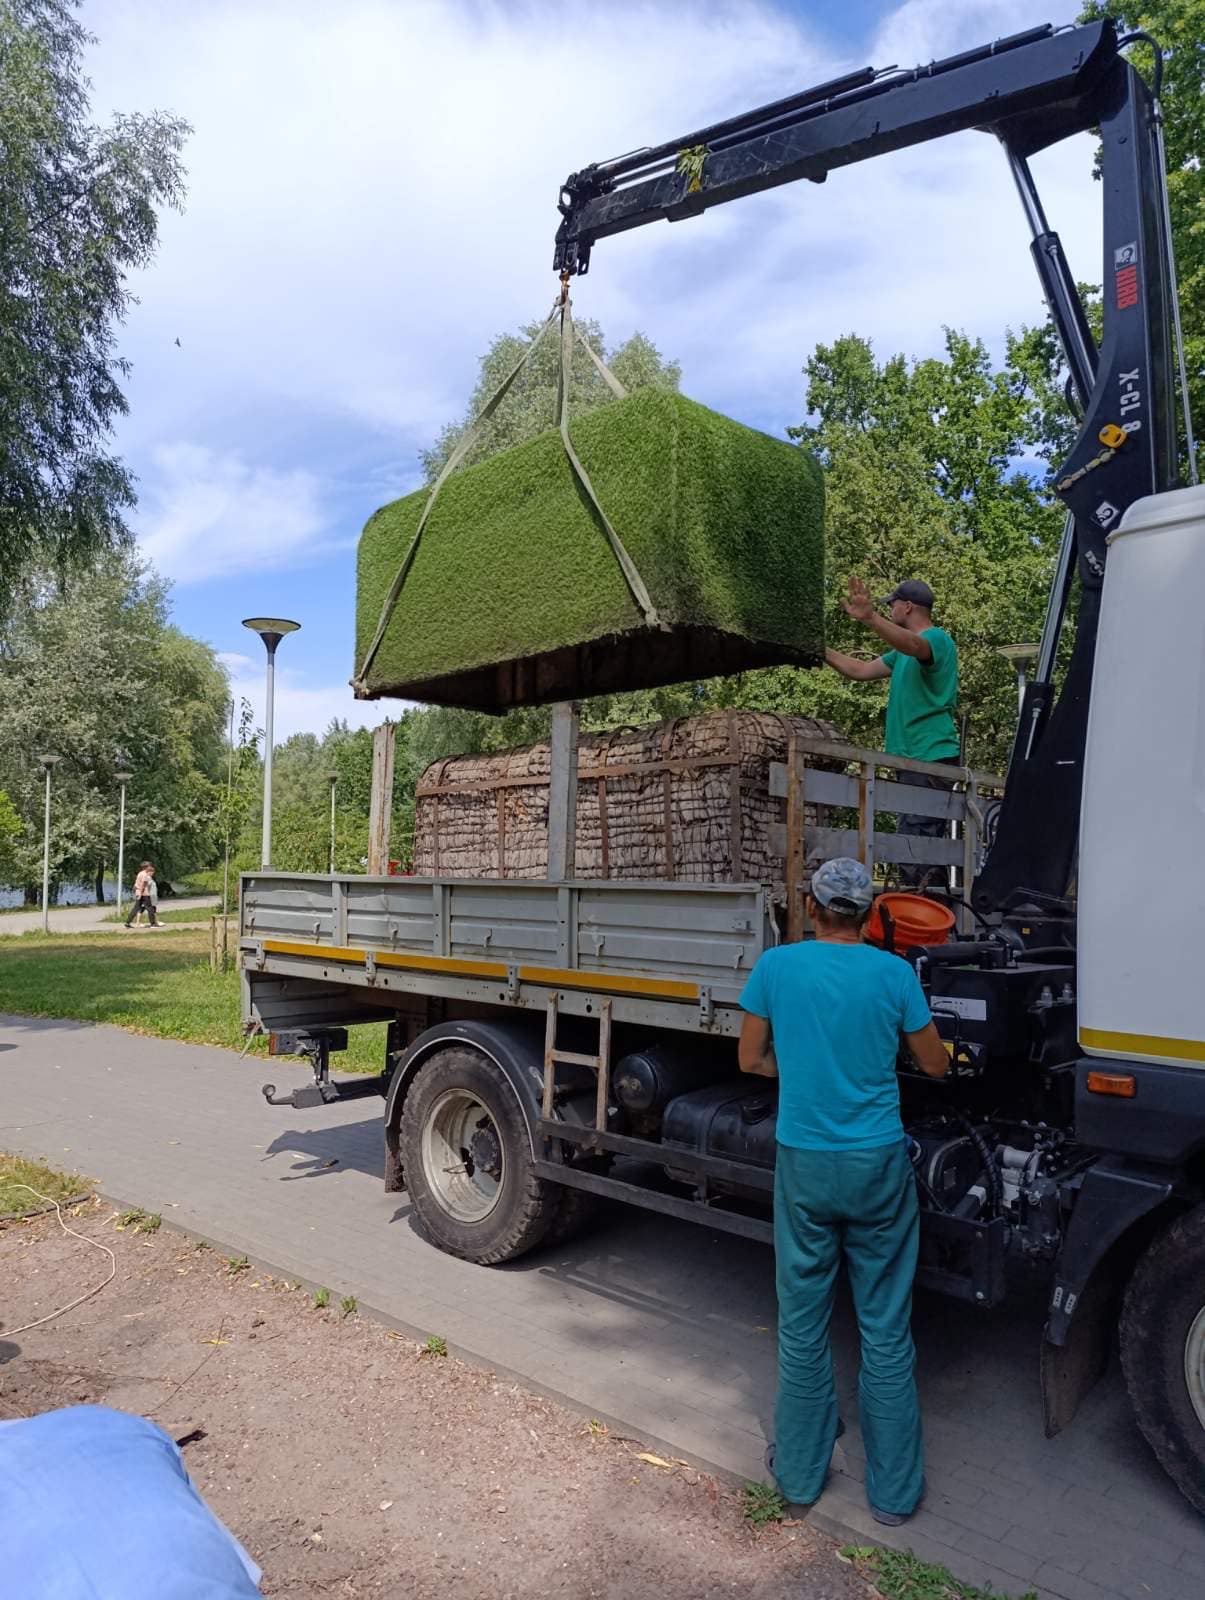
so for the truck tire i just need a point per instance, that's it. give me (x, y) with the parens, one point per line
(467, 1158)
(1163, 1351)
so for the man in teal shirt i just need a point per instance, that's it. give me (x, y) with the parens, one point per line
(826, 1017)
(922, 663)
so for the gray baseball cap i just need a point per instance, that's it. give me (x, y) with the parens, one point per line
(843, 884)
(911, 589)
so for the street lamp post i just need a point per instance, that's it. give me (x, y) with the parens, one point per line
(332, 779)
(48, 765)
(271, 630)
(123, 778)
(1018, 655)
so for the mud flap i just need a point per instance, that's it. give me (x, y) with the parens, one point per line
(1070, 1370)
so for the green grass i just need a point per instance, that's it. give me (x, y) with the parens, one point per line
(436, 1345)
(139, 1221)
(762, 1503)
(899, 1575)
(724, 524)
(160, 985)
(16, 1170)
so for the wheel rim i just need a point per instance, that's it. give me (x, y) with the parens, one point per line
(1194, 1365)
(463, 1161)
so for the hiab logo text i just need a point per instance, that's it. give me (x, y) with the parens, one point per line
(1125, 266)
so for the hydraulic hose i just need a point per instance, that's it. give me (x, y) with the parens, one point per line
(995, 1185)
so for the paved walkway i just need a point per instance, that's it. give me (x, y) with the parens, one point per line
(94, 919)
(655, 1325)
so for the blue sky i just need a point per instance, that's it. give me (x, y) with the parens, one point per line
(372, 198)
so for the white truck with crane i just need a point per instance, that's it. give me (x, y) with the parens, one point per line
(554, 1040)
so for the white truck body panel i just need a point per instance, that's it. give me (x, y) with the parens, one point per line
(1142, 832)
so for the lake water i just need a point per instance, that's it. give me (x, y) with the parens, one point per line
(70, 894)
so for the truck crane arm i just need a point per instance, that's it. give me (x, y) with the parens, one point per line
(1030, 90)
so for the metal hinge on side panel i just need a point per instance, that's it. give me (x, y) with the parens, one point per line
(370, 966)
(706, 1007)
(512, 983)
(255, 954)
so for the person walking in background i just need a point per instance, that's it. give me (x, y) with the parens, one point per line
(144, 897)
(922, 663)
(827, 1016)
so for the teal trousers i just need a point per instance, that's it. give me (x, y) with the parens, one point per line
(858, 1206)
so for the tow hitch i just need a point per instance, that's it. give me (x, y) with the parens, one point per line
(316, 1046)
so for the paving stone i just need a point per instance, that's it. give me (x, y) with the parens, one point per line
(645, 1322)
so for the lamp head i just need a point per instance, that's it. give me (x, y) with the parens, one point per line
(123, 777)
(1017, 652)
(271, 629)
(48, 761)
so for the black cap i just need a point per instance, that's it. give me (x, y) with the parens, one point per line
(911, 589)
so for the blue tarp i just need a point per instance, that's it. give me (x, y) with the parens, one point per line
(96, 1505)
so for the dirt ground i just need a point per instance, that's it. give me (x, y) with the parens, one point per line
(351, 1463)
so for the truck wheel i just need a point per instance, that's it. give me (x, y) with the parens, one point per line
(467, 1158)
(1163, 1351)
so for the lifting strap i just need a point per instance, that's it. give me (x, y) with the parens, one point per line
(561, 310)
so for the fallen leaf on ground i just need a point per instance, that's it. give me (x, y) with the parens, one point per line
(653, 1461)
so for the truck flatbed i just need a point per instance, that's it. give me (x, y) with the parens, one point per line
(320, 950)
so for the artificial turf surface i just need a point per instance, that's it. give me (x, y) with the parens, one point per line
(725, 525)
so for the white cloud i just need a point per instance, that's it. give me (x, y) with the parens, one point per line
(206, 513)
(372, 191)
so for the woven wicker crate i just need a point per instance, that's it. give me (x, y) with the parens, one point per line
(688, 799)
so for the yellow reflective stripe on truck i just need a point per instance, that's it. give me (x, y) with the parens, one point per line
(552, 977)
(1142, 1044)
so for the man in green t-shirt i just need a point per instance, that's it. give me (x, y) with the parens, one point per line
(922, 663)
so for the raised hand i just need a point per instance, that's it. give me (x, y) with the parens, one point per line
(859, 605)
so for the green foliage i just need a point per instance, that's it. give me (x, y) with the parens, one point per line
(436, 1345)
(78, 213)
(237, 1264)
(347, 1306)
(322, 1299)
(530, 406)
(91, 670)
(723, 523)
(27, 1185)
(10, 830)
(921, 482)
(899, 1575)
(762, 1503)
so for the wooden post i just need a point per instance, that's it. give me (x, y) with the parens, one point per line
(796, 863)
(384, 740)
(562, 792)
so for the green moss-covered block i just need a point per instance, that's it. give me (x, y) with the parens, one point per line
(515, 597)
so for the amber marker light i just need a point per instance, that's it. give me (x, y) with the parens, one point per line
(1118, 1083)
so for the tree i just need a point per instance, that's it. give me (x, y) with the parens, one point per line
(921, 481)
(10, 831)
(90, 670)
(530, 406)
(78, 213)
